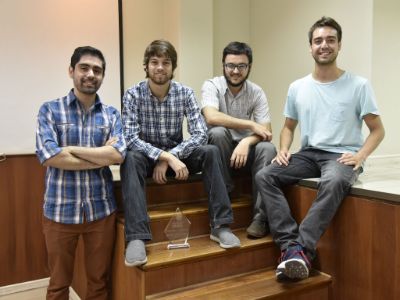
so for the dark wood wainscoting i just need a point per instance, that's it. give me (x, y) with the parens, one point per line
(22, 248)
(360, 249)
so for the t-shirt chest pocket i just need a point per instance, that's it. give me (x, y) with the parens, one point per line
(340, 112)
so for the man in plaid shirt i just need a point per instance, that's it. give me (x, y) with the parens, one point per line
(152, 117)
(77, 138)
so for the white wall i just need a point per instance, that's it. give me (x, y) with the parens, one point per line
(231, 23)
(37, 41)
(38, 38)
(279, 36)
(385, 70)
(143, 22)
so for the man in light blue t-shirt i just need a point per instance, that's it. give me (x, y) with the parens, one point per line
(330, 106)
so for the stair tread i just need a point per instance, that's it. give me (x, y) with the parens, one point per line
(167, 210)
(201, 247)
(260, 284)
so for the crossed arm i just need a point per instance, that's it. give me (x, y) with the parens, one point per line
(85, 158)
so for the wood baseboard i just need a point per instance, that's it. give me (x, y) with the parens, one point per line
(24, 286)
(31, 285)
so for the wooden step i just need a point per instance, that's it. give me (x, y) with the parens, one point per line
(176, 191)
(203, 261)
(261, 284)
(197, 213)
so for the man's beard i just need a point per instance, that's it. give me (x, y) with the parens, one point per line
(163, 81)
(240, 83)
(325, 62)
(88, 90)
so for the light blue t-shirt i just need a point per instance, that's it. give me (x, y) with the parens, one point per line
(330, 115)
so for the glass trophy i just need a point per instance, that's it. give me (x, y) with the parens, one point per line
(177, 231)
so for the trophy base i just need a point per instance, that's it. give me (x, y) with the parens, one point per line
(178, 246)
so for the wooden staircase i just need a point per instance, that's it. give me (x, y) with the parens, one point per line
(205, 270)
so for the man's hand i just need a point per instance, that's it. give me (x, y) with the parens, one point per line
(282, 158)
(111, 141)
(160, 171)
(261, 131)
(180, 169)
(240, 154)
(350, 159)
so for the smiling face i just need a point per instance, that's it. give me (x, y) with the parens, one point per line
(236, 69)
(87, 75)
(159, 70)
(325, 45)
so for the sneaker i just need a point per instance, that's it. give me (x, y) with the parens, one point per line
(294, 264)
(224, 236)
(280, 276)
(135, 253)
(257, 229)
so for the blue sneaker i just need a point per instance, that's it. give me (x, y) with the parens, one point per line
(294, 264)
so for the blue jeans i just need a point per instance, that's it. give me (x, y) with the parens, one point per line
(259, 156)
(137, 167)
(333, 186)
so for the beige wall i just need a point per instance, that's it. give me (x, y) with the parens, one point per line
(279, 38)
(143, 22)
(385, 69)
(277, 31)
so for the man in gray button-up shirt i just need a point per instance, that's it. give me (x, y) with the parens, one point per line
(237, 113)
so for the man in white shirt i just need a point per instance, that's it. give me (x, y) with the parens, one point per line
(237, 114)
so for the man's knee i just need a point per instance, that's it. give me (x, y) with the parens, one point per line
(265, 175)
(217, 133)
(134, 161)
(209, 151)
(133, 156)
(265, 152)
(338, 176)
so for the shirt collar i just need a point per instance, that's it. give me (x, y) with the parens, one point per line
(242, 90)
(171, 88)
(71, 98)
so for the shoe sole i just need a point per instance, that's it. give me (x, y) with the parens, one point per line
(295, 269)
(135, 263)
(255, 234)
(225, 246)
(280, 276)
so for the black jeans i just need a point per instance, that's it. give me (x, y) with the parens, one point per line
(137, 167)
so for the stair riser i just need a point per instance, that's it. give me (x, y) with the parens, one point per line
(192, 272)
(321, 293)
(180, 192)
(200, 223)
(135, 283)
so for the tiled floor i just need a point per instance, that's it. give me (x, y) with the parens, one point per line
(36, 294)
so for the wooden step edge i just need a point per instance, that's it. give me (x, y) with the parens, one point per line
(198, 177)
(260, 284)
(166, 211)
(201, 248)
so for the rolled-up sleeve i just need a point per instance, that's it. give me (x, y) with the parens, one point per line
(116, 132)
(209, 95)
(196, 126)
(46, 134)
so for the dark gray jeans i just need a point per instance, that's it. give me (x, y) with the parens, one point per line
(259, 156)
(333, 186)
(137, 167)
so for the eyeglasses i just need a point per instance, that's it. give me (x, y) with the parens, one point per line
(231, 67)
